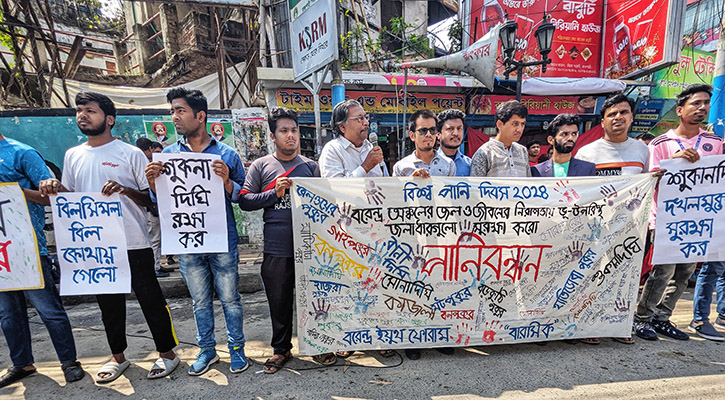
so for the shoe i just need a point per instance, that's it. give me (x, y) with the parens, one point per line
(666, 328)
(707, 331)
(412, 354)
(72, 371)
(720, 322)
(170, 260)
(160, 274)
(13, 375)
(239, 361)
(203, 361)
(644, 330)
(446, 350)
(168, 270)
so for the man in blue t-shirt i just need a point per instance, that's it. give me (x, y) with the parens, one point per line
(22, 164)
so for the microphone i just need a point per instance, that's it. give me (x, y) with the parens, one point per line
(373, 138)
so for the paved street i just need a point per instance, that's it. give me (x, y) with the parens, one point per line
(647, 370)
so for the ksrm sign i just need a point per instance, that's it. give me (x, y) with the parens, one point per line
(314, 35)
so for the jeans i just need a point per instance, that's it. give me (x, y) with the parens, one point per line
(662, 290)
(278, 276)
(712, 275)
(202, 273)
(14, 320)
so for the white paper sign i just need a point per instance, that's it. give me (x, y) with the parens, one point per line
(192, 208)
(91, 241)
(19, 259)
(690, 224)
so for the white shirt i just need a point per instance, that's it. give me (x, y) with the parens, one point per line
(340, 158)
(87, 169)
(440, 165)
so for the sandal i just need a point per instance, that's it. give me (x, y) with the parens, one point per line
(625, 340)
(13, 375)
(72, 371)
(164, 365)
(325, 359)
(590, 341)
(387, 353)
(113, 368)
(277, 362)
(344, 354)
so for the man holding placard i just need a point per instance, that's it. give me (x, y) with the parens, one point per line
(667, 282)
(22, 164)
(266, 186)
(502, 155)
(109, 166)
(202, 272)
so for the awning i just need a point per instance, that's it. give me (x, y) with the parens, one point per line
(570, 86)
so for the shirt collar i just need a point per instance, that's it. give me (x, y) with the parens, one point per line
(346, 144)
(182, 143)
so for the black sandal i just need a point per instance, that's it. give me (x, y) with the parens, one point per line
(13, 375)
(72, 371)
(271, 366)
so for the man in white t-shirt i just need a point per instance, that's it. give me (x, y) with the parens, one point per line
(106, 165)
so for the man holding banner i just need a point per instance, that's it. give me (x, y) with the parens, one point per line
(203, 272)
(452, 130)
(266, 186)
(502, 156)
(424, 161)
(667, 282)
(109, 166)
(22, 164)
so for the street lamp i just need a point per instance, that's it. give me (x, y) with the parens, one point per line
(544, 35)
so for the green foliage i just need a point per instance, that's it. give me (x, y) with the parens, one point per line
(411, 43)
(455, 34)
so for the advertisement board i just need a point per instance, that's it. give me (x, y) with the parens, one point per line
(695, 66)
(313, 30)
(372, 102)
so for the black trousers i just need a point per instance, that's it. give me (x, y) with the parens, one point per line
(152, 301)
(278, 276)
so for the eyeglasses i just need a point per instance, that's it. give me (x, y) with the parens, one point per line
(425, 131)
(360, 118)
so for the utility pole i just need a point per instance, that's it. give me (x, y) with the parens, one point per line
(717, 105)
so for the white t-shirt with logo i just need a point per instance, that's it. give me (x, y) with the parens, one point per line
(87, 169)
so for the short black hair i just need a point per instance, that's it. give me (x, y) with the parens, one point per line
(645, 136)
(278, 113)
(144, 143)
(506, 110)
(340, 114)
(156, 145)
(451, 114)
(104, 102)
(689, 90)
(424, 114)
(531, 143)
(561, 120)
(613, 100)
(194, 98)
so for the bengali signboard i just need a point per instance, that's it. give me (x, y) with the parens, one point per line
(91, 241)
(646, 114)
(576, 46)
(192, 208)
(313, 30)
(405, 263)
(641, 36)
(689, 212)
(486, 105)
(19, 259)
(372, 102)
(695, 66)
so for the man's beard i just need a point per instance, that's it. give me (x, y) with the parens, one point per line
(94, 131)
(562, 148)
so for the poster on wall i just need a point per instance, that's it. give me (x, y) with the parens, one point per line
(19, 259)
(251, 134)
(576, 46)
(641, 36)
(160, 129)
(695, 66)
(220, 128)
(442, 262)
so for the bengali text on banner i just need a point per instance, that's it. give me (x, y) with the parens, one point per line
(19, 259)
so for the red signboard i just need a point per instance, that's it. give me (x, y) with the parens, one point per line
(576, 48)
(486, 105)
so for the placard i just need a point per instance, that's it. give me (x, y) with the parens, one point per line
(418, 263)
(19, 259)
(91, 242)
(192, 208)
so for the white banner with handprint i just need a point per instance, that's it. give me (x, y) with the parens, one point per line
(417, 263)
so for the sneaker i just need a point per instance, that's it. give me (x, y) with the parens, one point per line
(170, 260)
(160, 274)
(707, 331)
(203, 361)
(162, 269)
(666, 328)
(644, 330)
(239, 361)
(412, 354)
(720, 322)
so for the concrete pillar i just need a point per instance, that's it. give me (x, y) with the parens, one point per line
(124, 67)
(142, 52)
(169, 28)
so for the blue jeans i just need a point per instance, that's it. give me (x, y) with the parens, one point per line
(203, 272)
(711, 275)
(14, 321)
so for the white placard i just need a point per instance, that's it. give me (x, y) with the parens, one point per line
(91, 241)
(690, 224)
(19, 259)
(192, 208)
